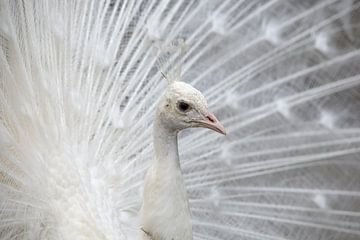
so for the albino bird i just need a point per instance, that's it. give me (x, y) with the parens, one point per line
(80, 83)
(165, 213)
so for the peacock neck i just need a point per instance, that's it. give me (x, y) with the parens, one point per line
(166, 146)
(165, 200)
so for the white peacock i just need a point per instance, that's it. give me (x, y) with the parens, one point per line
(79, 89)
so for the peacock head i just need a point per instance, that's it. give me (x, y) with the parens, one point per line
(182, 106)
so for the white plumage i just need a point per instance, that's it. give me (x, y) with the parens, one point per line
(78, 90)
(165, 212)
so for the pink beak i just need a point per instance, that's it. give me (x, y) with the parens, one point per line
(211, 122)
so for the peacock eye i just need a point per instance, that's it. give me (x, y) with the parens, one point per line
(183, 106)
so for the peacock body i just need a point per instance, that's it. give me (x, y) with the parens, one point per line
(79, 83)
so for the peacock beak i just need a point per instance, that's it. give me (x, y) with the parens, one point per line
(211, 122)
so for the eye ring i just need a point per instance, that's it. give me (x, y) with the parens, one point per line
(183, 106)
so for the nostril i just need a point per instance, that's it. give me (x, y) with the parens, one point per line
(211, 119)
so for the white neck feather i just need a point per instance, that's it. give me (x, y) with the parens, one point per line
(165, 212)
(166, 146)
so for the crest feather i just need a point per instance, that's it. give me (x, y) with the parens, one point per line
(170, 59)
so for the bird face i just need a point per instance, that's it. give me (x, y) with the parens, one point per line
(183, 107)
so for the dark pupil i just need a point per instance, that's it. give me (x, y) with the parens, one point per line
(183, 106)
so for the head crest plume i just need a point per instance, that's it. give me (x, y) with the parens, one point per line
(170, 59)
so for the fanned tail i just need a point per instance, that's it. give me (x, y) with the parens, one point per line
(78, 85)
